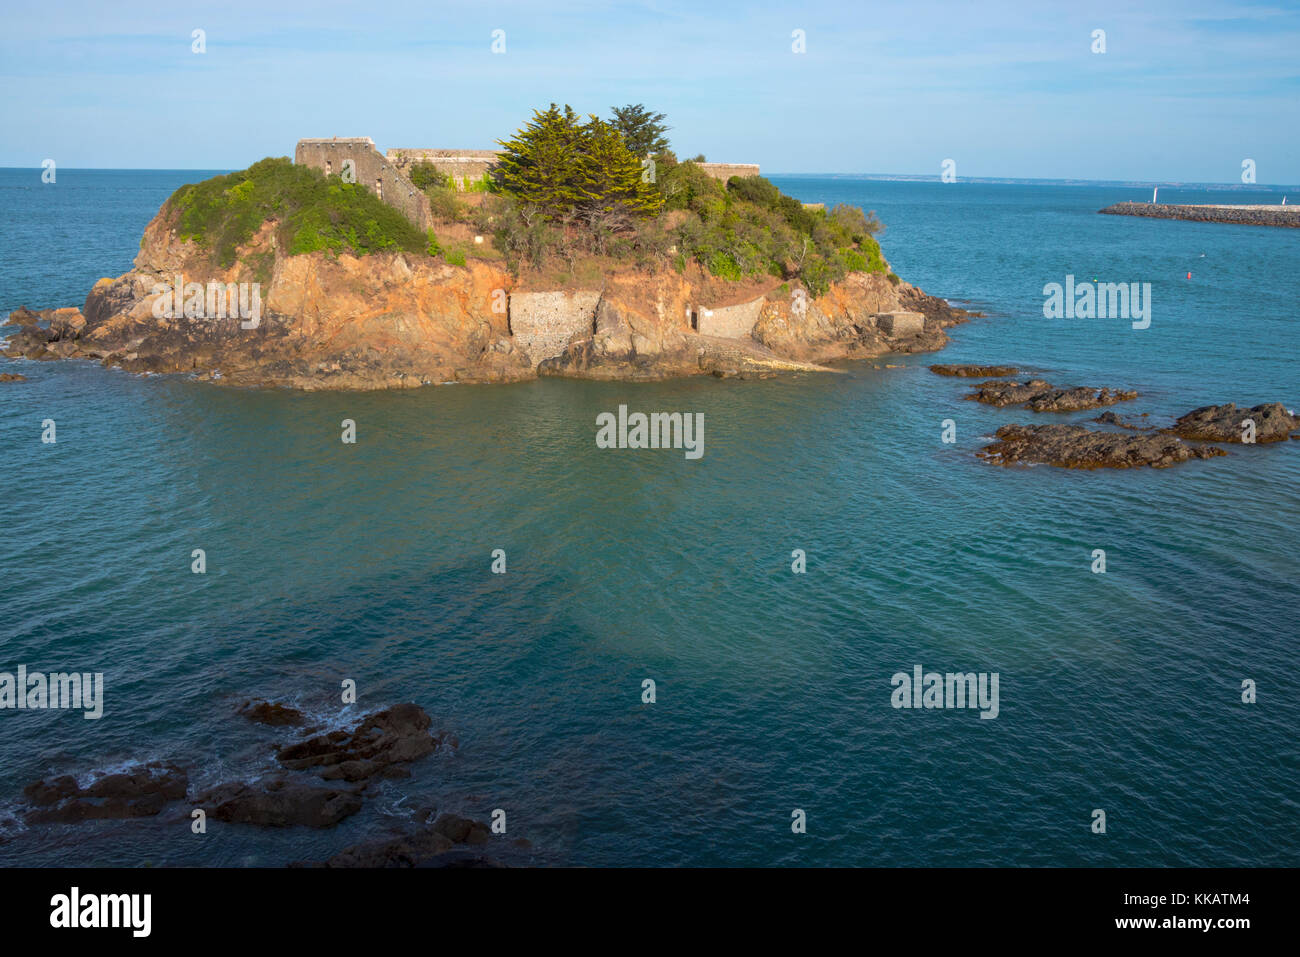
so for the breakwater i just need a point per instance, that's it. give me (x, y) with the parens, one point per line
(1255, 215)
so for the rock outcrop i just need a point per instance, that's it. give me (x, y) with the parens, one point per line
(1038, 396)
(139, 792)
(279, 802)
(974, 371)
(1077, 447)
(847, 323)
(142, 791)
(396, 320)
(1227, 423)
(378, 747)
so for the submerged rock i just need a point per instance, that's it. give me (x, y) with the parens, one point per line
(398, 852)
(974, 371)
(462, 830)
(272, 713)
(1077, 447)
(429, 847)
(460, 858)
(142, 791)
(12, 377)
(1110, 418)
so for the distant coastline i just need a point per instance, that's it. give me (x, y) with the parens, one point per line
(1261, 190)
(1256, 188)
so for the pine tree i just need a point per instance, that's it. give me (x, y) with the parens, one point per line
(542, 164)
(613, 179)
(642, 130)
(565, 167)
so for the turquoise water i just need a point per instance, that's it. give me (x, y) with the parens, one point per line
(372, 562)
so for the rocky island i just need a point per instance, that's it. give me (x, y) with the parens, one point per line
(585, 249)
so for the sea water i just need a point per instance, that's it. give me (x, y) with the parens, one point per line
(372, 562)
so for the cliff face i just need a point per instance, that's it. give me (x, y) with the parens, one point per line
(394, 320)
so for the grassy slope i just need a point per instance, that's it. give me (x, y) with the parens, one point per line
(745, 230)
(313, 212)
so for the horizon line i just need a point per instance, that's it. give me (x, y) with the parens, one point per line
(887, 177)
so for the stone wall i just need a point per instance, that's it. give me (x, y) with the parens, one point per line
(465, 167)
(543, 323)
(724, 171)
(900, 324)
(729, 322)
(373, 171)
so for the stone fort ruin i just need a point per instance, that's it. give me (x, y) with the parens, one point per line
(356, 159)
(387, 175)
(463, 167)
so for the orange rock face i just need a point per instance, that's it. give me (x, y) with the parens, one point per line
(397, 320)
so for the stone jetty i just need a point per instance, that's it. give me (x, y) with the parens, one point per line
(1255, 215)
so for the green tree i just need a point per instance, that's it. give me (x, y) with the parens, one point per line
(542, 163)
(424, 174)
(642, 130)
(566, 167)
(613, 177)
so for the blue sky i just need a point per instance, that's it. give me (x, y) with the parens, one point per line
(1185, 91)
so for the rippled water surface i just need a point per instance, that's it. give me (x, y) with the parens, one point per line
(327, 561)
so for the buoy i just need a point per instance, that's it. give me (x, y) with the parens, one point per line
(1189, 275)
